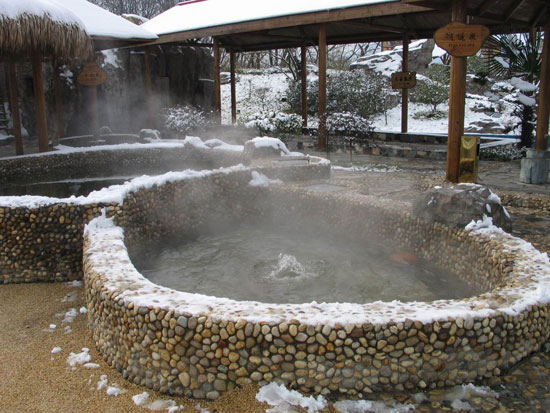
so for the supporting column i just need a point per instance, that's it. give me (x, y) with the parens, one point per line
(93, 111)
(149, 89)
(323, 87)
(457, 100)
(58, 103)
(40, 102)
(217, 83)
(543, 110)
(14, 108)
(405, 92)
(304, 85)
(233, 88)
(535, 165)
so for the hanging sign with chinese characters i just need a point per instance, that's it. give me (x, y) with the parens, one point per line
(461, 40)
(403, 80)
(92, 75)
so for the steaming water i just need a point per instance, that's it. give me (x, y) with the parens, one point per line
(64, 188)
(290, 266)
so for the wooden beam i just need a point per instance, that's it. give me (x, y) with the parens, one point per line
(14, 107)
(149, 89)
(486, 5)
(58, 103)
(513, 9)
(405, 92)
(543, 110)
(350, 13)
(322, 132)
(233, 87)
(303, 83)
(457, 100)
(372, 26)
(217, 83)
(539, 16)
(40, 102)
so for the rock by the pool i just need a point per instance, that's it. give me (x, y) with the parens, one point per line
(456, 206)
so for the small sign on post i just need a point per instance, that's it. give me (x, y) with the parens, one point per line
(403, 80)
(92, 75)
(461, 40)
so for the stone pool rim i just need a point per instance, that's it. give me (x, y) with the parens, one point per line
(106, 243)
(200, 346)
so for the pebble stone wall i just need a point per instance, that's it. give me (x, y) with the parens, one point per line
(170, 342)
(44, 243)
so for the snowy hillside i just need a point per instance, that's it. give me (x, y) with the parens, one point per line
(266, 92)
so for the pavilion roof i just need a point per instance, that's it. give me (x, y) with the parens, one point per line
(106, 29)
(41, 26)
(246, 25)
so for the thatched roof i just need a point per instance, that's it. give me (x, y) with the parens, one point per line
(41, 26)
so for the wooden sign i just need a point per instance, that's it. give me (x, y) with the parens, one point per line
(460, 39)
(403, 80)
(92, 75)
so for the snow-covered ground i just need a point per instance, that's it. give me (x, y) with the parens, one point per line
(256, 93)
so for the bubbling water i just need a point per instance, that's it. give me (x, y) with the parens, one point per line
(286, 264)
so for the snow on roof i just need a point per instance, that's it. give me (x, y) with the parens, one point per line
(100, 23)
(193, 15)
(14, 9)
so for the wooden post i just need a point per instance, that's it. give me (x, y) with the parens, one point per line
(405, 92)
(40, 102)
(457, 100)
(233, 88)
(14, 108)
(93, 111)
(323, 87)
(217, 83)
(304, 85)
(58, 103)
(149, 89)
(543, 114)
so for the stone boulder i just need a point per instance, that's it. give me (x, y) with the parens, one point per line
(456, 206)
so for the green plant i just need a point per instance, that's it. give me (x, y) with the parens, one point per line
(347, 91)
(434, 90)
(518, 56)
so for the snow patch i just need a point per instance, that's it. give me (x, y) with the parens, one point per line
(56, 350)
(281, 398)
(70, 315)
(259, 179)
(91, 365)
(140, 399)
(79, 358)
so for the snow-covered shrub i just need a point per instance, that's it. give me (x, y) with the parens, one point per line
(349, 124)
(274, 123)
(434, 90)
(185, 119)
(347, 91)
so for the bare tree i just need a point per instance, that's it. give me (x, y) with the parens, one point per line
(145, 8)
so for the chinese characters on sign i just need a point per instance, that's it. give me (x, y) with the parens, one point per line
(403, 80)
(460, 39)
(92, 75)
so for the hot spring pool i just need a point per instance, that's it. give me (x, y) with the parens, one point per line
(293, 265)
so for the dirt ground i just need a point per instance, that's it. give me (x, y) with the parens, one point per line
(34, 380)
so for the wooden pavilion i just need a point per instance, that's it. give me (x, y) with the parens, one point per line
(33, 33)
(60, 31)
(251, 25)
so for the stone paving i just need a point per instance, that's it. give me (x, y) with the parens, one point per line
(526, 387)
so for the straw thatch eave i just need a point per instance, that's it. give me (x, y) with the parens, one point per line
(29, 34)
